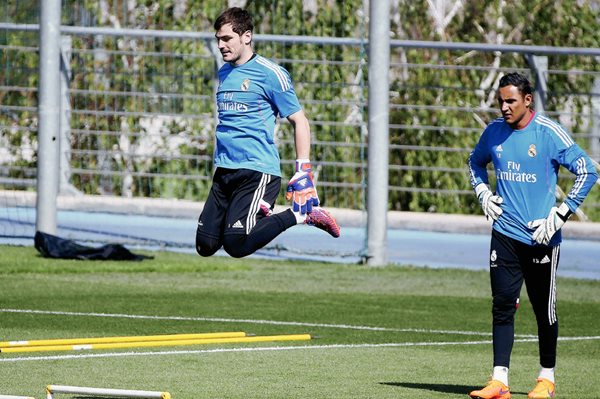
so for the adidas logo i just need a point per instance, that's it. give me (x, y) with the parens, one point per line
(238, 225)
(499, 148)
(545, 259)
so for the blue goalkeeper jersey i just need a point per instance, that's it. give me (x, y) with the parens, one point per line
(526, 164)
(250, 97)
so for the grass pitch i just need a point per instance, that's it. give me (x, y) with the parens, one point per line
(392, 332)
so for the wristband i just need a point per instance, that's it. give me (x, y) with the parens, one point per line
(303, 165)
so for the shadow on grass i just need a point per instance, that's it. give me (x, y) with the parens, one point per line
(445, 388)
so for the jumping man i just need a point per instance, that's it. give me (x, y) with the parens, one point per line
(253, 91)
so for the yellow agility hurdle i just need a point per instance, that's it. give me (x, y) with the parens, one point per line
(146, 344)
(132, 338)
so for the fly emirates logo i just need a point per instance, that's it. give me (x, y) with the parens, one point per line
(513, 173)
(228, 103)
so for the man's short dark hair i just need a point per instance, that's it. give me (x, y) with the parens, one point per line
(517, 80)
(240, 20)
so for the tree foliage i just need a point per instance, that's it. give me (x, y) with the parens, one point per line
(144, 106)
(566, 24)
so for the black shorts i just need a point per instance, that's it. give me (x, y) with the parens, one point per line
(233, 204)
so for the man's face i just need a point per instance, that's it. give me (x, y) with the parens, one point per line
(234, 48)
(514, 106)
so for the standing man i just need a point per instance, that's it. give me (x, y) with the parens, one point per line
(527, 150)
(252, 92)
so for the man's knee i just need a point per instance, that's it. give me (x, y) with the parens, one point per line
(236, 245)
(504, 308)
(206, 246)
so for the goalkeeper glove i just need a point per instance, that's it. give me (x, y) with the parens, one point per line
(546, 228)
(301, 188)
(490, 203)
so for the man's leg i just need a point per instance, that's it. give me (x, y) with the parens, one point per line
(506, 279)
(212, 218)
(540, 279)
(265, 230)
(247, 227)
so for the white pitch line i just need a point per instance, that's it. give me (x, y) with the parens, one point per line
(252, 321)
(276, 348)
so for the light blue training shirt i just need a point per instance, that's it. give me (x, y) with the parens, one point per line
(249, 99)
(526, 164)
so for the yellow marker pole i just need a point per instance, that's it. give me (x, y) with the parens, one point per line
(106, 340)
(145, 344)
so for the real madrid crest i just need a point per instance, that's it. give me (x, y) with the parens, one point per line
(532, 152)
(493, 256)
(245, 85)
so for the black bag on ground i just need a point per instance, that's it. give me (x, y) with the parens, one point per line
(51, 246)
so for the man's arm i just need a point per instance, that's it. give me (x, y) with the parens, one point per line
(301, 188)
(301, 127)
(580, 164)
(477, 164)
(586, 175)
(490, 203)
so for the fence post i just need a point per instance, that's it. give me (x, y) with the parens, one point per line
(64, 185)
(539, 66)
(378, 152)
(595, 132)
(219, 62)
(48, 162)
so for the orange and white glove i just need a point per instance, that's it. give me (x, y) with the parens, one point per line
(301, 188)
